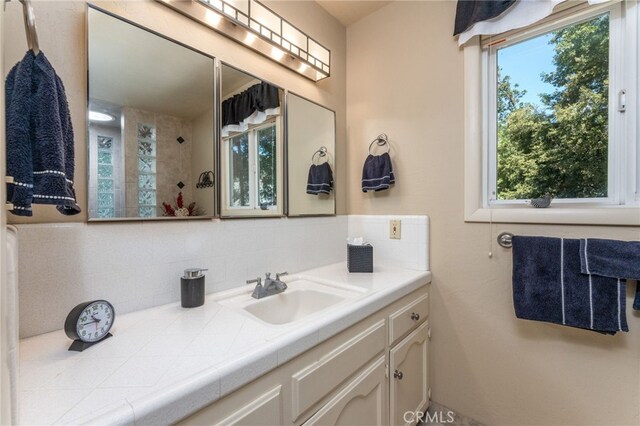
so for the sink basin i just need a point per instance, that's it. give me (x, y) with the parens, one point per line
(302, 298)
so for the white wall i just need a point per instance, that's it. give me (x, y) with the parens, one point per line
(404, 78)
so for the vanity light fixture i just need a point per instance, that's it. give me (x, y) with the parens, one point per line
(252, 24)
(100, 116)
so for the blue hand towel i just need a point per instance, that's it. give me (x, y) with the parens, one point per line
(377, 173)
(612, 258)
(548, 286)
(40, 154)
(320, 180)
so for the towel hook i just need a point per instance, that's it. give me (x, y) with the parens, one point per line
(381, 140)
(29, 25)
(322, 152)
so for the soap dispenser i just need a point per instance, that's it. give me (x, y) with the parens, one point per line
(192, 288)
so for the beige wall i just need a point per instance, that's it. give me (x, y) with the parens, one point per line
(61, 29)
(202, 161)
(404, 78)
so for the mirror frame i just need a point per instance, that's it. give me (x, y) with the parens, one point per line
(216, 118)
(286, 156)
(218, 131)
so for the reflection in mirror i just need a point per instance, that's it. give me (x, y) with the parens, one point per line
(311, 145)
(251, 146)
(151, 124)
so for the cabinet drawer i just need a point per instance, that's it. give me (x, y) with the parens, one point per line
(407, 318)
(265, 409)
(318, 379)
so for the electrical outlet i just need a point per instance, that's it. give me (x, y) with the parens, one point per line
(394, 229)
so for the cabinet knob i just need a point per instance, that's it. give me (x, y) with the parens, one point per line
(398, 374)
(415, 316)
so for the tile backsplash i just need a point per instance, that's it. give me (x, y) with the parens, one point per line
(411, 251)
(136, 265)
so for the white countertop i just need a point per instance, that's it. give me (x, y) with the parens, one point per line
(166, 362)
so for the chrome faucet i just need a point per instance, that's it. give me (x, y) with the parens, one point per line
(270, 286)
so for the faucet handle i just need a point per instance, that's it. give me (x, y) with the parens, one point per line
(280, 274)
(256, 280)
(267, 275)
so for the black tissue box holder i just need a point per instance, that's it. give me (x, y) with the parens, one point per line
(360, 258)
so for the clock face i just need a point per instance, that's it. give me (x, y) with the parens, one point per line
(95, 321)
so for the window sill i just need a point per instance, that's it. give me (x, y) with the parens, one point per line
(605, 215)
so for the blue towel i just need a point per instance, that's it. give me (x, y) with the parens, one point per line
(377, 173)
(612, 258)
(320, 180)
(548, 286)
(40, 154)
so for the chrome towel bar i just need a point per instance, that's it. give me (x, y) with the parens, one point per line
(504, 239)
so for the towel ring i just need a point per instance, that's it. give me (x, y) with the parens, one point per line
(29, 25)
(381, 140)
(322, 152)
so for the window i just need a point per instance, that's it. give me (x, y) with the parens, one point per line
(252, 164)
(146, 170)
(556, 112)
(106, 196)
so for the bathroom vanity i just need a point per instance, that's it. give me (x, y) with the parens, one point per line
(369, 374)
(362, 359)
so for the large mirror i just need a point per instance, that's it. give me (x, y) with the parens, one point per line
(251, 145)
(150, 124)
(311, 145)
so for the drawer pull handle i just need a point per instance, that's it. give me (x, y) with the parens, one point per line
(398, 374)
(415, 316)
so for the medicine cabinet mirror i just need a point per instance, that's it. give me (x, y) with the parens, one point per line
(251, 146)
(150, 124)
(311, 144)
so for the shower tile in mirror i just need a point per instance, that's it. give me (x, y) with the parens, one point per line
(105, 171)
(147, 181)
(146, 131)
(105, 142)
(147, 198)
(147, 211)
(105, 157)
(105, 200)
(105, 185)
(146, 148)
(146, 165)
(104, 213)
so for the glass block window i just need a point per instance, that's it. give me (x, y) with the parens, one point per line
(146, 170)
(105, 189)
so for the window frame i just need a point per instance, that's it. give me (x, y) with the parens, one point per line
(253, 209)
(622, 207)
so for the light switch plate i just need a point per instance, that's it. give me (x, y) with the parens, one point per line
(395, 226)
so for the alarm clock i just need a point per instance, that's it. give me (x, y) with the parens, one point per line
(89, 323)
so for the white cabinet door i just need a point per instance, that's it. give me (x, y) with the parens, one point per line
(408, 375)
(362, 402)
